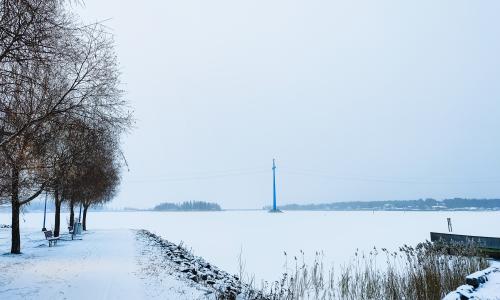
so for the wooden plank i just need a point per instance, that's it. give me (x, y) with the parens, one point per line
(489, 245)
(482, 241)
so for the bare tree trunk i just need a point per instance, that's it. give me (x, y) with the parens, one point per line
(16, 207)
(85, 208)
(71, 214)
(16, 235)
(57, 220)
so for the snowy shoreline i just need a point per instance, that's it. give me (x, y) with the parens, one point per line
(161, 256)
(484, 284)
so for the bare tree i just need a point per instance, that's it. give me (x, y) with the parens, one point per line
(64, 153)
(98, 182)
(30, 32)
(21, 159)
(56, 77)
(77, 157)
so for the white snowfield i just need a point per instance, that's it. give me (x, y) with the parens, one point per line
(102, 265)
(261, 239)
(107, 263)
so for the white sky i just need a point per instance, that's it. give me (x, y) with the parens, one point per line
(389, 99)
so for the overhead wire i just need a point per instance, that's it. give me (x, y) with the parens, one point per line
(202, 176)
(315, 173)
(207, 175)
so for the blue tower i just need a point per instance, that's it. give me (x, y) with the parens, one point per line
(274, 209)
(274, 185)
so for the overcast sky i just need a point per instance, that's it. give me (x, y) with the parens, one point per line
(357, 100)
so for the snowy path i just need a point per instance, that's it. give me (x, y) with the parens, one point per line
(101, 266)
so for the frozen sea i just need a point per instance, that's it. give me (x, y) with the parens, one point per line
(261, 238)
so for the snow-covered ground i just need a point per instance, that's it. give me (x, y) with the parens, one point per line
(104, 264)
(491, 289)
(483, 285)
(262, 238)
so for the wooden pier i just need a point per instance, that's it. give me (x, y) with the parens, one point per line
(490, 245)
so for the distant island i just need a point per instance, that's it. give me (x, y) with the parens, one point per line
(417, 205)
(188, 206)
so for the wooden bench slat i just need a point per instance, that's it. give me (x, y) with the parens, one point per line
(49, 236)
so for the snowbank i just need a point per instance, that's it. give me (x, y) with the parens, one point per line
(160, 256)
(483, 284)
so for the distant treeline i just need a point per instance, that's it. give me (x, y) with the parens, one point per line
(188, 206)
(421, 204)
(39, 205)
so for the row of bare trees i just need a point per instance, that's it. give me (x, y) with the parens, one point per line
(61, 108)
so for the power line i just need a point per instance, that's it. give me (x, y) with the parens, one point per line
(200, 176)
(381, 179)
(208, 175)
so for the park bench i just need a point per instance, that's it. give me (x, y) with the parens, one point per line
(75, 229)
(71, 228)
(49, 236)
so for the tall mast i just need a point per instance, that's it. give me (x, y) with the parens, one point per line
(274, 185)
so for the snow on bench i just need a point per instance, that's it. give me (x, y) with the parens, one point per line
(49, 236)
